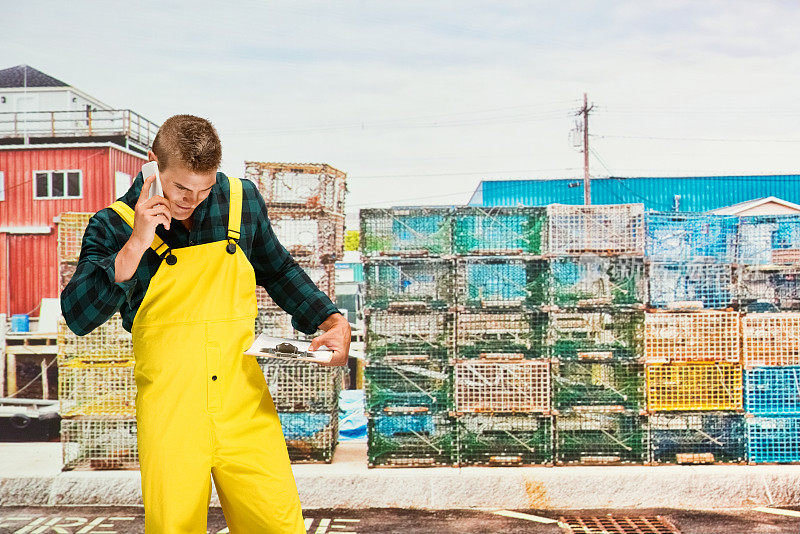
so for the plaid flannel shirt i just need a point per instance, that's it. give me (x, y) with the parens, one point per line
(92, 296)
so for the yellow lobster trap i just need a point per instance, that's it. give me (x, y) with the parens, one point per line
(694, 386)
(94, 389)
(107, 342)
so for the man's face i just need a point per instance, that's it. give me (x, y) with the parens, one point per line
(184, 189)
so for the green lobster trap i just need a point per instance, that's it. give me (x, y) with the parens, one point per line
(408, 283)
(501, 282)
(411, 440)
(499, 230)
(408, 336)
(412, 231)
(504, 440)
(597, 335)
(600, 386)
(409, 388)
(592, 281)
(510, 334)
(604, 438)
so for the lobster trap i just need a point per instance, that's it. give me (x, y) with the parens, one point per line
(99, 442)
(88, 388)
(604, 438)
(712, 285)
(499, 230)
(410, 388)
(66, 270)
(413, 231)
(71, 227)
(486, 386)
(674, 237)
(107, 342)
(777, 286)
(299, 185)
(598, 386)
(600, 335)
(300, 387)
(500, 334)
(615, 229)
(501, 282)
(701, 336)
(771, 339)
(404, 283)
(408, 336)
(769, 239)
(311, 437)
(589, 281)
(773, 439)
(694, 386)
(773, 390)
(691, 438)
(276, 323)
(504, 440)
(311, 238)
(411, 440)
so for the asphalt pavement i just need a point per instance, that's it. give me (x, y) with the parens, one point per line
(130, 519)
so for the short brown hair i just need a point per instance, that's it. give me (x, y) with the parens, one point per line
(188, 141)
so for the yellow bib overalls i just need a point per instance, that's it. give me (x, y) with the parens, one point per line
(202, 406)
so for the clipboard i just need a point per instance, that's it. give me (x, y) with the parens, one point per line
(287, 349)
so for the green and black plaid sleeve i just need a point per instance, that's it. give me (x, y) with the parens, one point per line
(92, 296)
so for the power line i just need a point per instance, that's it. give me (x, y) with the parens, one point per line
(718, 139)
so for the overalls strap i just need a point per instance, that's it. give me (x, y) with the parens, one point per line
(128, 215)
(235, 213)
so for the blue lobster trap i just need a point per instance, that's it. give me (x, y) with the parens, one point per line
(712, 284)
(773, 439)
(769, 239)
(678, 237)
(773, 390)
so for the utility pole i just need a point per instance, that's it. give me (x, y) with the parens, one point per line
(587, 181)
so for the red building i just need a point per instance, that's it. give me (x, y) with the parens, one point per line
(61, 150)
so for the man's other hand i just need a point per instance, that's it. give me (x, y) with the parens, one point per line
(336, 338)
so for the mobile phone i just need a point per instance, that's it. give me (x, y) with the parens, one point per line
(148, 169)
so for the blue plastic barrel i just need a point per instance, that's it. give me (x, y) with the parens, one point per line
(20, 322)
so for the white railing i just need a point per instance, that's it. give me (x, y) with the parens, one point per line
(105, 122)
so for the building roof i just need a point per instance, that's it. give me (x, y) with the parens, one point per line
(683, 193)
(760, 206)
(26, 76)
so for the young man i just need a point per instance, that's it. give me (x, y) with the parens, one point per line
(182, 270)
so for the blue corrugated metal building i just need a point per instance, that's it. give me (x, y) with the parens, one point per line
(690, 193)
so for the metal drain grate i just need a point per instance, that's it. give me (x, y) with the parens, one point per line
(622, 524)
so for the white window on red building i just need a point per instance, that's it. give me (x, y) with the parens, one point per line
(57, 184)
(2, 185)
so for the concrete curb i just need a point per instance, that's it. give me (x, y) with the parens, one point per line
(348, 484)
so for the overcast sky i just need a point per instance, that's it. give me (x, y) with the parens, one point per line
(419, 101)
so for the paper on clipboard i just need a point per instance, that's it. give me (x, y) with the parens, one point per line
(287, 349)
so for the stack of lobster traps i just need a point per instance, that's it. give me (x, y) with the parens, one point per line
(501, 367)
(771, 354)
(409, 323)
(692, 339)
(96, 386)
(596, 298)
(694, 387)
(769, 262)
(305, 204)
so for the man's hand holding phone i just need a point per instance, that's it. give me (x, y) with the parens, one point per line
(149, 213)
